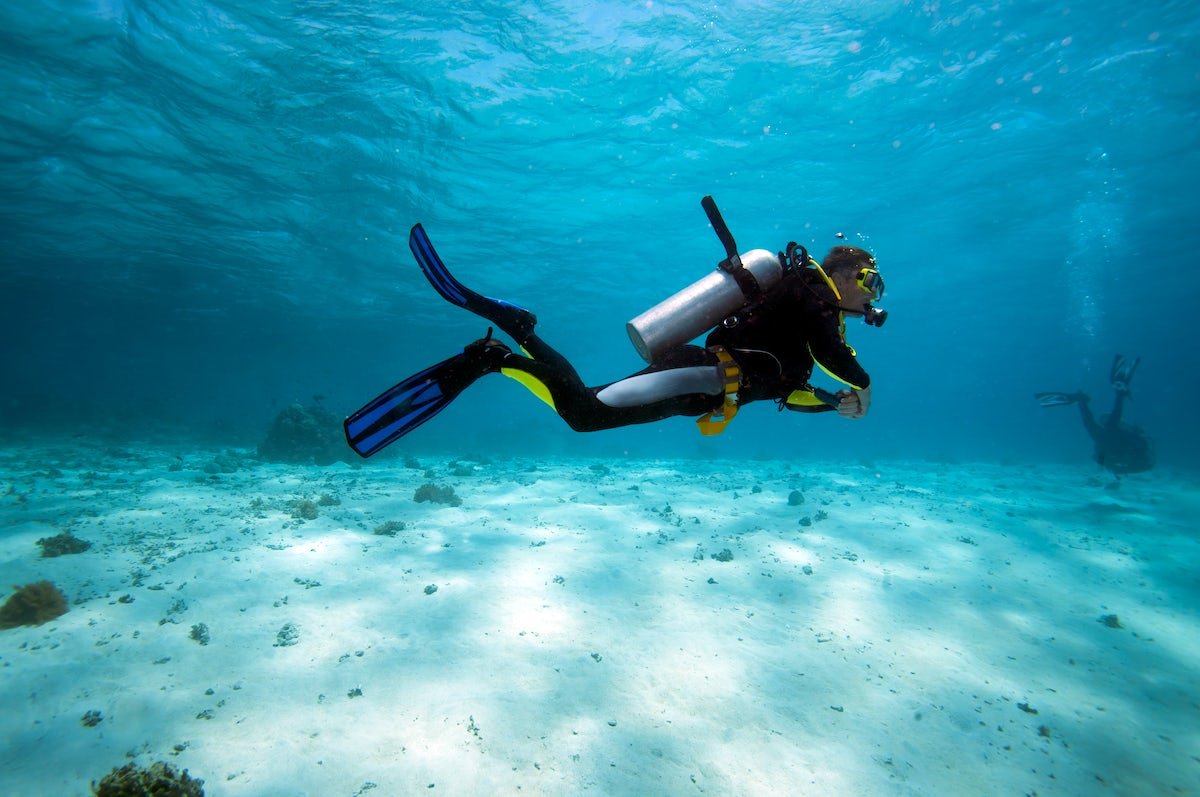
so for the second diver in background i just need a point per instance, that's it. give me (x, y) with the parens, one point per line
(1119, 447)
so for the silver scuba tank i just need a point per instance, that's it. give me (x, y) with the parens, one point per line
(700, 306)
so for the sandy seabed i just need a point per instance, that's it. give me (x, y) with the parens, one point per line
(614, 627)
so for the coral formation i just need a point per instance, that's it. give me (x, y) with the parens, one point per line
(200, 633)
(288, 635)
(159, 780)
(304, 509)
(302, 435)
(390, 528)
(33, 604)
(437, 494)
(62, 544)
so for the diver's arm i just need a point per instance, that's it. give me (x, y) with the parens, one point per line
(829, 350)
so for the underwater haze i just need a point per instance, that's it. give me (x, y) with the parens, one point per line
(205, 207)
(205, 211)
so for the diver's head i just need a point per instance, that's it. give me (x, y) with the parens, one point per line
(858, 280)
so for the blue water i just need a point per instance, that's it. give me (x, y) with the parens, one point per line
(204, 207)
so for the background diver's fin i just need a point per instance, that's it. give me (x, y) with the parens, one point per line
(402, 408)
(1122, 372)
(516, 322)
(1056, 399)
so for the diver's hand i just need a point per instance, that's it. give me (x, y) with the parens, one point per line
(853, 404)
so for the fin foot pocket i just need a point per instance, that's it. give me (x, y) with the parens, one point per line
(487, 353)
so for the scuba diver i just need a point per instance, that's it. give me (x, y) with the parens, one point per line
(1120, 447)
(772, 318)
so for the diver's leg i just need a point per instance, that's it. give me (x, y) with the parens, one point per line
(1114, 417)
(582, 409)
(1085, 413)
(647, 388)
(543, 352)
(1121, 377)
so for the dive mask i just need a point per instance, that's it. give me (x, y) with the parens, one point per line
(870, 280)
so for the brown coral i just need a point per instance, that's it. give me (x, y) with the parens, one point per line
(33, 604)
(437, 494)
(62, 545)
(160, 780)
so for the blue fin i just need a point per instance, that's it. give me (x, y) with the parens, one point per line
(402, 408)
(407, 405)
(515, 321)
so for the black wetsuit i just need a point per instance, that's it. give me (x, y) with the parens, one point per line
(1120, 447)
(774, 345)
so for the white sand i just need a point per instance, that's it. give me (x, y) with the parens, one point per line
(581, 637)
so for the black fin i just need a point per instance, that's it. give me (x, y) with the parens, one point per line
(1057, 399)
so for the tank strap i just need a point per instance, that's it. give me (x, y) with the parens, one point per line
(716, 421)
(744, 277)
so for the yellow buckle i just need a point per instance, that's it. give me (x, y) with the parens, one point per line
(716, 421)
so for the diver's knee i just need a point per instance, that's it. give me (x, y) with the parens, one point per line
(580, 423)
